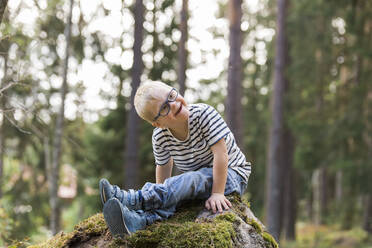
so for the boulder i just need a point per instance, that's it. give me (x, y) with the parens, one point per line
(191, 226)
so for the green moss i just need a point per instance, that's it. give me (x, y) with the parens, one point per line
(255, 225)
(259, 229)
(217, 233)
(19, 244)
(59, 240)
(238, 206)
(117, 243)
(187, 212)
(234, 198)
(245, 200)
(230, 217)
(180, 230)
(92, 226)
(270, 240)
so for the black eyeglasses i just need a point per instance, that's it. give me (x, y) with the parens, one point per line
(165, 107)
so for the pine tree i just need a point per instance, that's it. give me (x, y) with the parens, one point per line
(3, 4)
(233, 108)
(131, 163)
(275, 184)
(57, 144)
(182, 52)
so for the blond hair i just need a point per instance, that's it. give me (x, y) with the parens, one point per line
(144, 94)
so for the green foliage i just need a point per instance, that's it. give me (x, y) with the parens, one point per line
(329, 127)
(6, 222)
(328, 237)
(328, 104)
(166, 3)
(168, 61)
(104, 142)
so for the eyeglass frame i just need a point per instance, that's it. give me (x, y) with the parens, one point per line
(166, 103)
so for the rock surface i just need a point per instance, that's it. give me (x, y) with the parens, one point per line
(191, 226)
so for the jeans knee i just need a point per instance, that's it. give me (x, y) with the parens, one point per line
(190, 181)
(197, 177)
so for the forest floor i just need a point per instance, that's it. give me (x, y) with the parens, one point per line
(322, 236)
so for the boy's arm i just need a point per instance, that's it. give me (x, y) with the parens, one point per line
(163, 172)
(218, 201)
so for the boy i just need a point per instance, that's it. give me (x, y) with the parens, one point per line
(197, 140)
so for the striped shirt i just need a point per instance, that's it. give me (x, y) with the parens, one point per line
(206, 128)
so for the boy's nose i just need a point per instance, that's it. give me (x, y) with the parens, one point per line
(174, 105)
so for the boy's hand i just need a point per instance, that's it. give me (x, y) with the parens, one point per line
(217, 201)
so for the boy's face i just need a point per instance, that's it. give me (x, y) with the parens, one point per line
(169, 108)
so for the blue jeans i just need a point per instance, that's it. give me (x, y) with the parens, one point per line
(160, 200)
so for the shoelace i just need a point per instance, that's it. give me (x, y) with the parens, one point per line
(117, 193)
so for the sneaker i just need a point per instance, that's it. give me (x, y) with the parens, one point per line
(131, 199)
(120, 220)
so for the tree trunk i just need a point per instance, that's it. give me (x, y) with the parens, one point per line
(119, 97)
(290, 200)
(182, 52)
(3, 4)
(323, 194)
(2, 119)
(57, 144)
(339, 186)
(367, 136)
(319, 182)
(2, 139)
(182, 59)
(274, 181)
(131, 162)
(316, 197)
(233, 110)
(47, 158)
(367, 213)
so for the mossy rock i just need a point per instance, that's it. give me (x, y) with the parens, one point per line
(191, 226)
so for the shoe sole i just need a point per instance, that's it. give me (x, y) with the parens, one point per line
(113, 213)
(102, 191)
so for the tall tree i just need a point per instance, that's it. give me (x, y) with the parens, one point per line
(131, 164)
(289, 207)
(233, 108)
(364, 30)
(274, 183)
(319, 195)
(2, 112)
(289, 192)
(57, 144)
(3, 4)
(367, 211)
(182, 52)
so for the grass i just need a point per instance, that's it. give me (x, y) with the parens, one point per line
(321, 236)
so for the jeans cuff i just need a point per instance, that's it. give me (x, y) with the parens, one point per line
(146, 196)
(150, 218)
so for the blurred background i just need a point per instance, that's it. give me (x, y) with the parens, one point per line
(289, 77)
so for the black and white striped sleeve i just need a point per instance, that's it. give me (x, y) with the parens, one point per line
(161, 155)
(213, 125)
